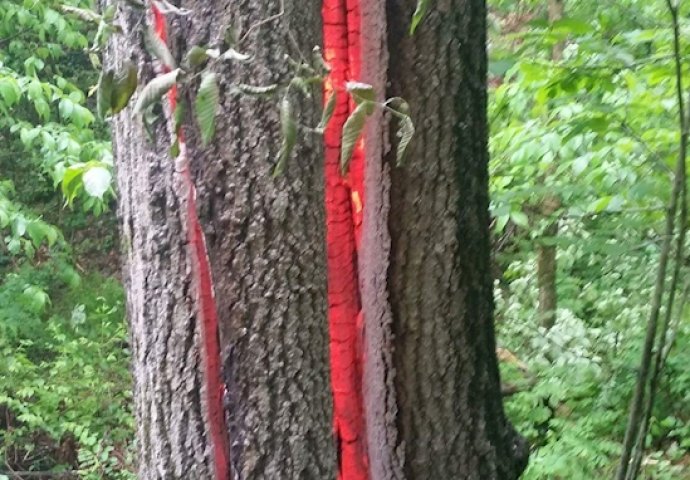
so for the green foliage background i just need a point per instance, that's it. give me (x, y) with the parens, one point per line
(65, 386)
(599, 129)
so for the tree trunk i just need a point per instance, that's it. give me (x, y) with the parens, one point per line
(415, 376)
(266, 252)
(431, 377)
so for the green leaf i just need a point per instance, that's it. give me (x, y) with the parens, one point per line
(405, 133)
(352, 130)
(36, 231)
(96, 181)
(501, 223)
(519, 218)
(155, 89)
(318, 60)
(109, 13)
(51, 235)
(82, 13)
(571, 25)
(196, 56)
(206, 106)
(28, 135)
(14, 245)
(70, 181)
(65, 107)
(104, 94)
(37, 298)
(9, 90)
(600, 204)
(418, 15)
(327, 111)
(158, 48)
(361, 92)
(288, 127)
(300, 84)
(125, 84)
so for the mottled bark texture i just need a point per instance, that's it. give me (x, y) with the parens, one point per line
(450, 418)
(266, 243)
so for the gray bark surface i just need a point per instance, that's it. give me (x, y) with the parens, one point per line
(266, 242)
(162, 316)
(266, 245)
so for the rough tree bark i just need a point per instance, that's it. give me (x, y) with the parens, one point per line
(440, 387)
(416, 382)
(265, 240)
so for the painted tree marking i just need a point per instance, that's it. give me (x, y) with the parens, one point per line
(208, 315)
(344, 214)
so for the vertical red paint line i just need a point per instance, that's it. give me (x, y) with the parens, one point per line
(344, 207)
(208, 315)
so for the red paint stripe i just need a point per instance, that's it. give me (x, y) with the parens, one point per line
(344, 206)
(210, 347)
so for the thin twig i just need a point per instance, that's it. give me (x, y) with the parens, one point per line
(677, 323)
(265, 21)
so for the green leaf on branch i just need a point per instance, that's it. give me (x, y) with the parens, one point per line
(327, 112)
(301, 84)
(155, 89)
(404, 134)
(125, 84)
(82, 13)
(104, 93)
(96, 181)
(401, 109)
(206, 106)
(319, 62)
(109, 13)
(158, 48)
(572, 26)
(196, 56)
(288, 127)
(362, 92)
(418, 15)
(519, 218)
(352, 130)
(9, 90)
(71, 183)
